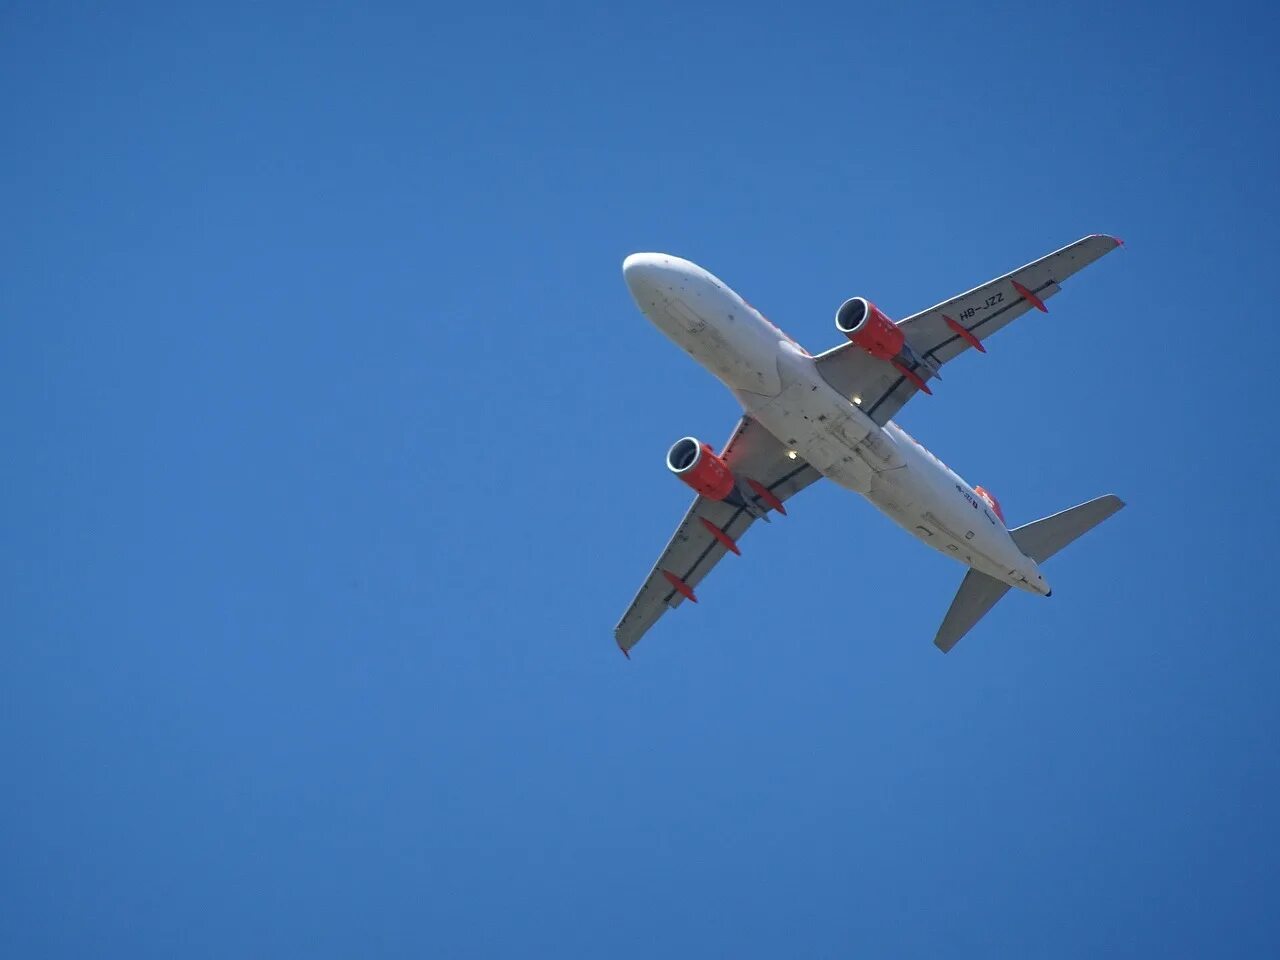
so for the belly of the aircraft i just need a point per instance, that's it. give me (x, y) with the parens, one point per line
(839, 441)
(735, 348)
(845, 446)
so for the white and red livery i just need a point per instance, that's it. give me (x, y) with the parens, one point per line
(829, 416)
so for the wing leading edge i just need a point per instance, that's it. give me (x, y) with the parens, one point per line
(752, 452)
(973, 317)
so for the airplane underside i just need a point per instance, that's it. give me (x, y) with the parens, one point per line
(831, 415)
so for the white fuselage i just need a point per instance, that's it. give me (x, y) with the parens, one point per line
(779, 385)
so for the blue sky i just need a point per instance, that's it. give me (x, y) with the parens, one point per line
(335, 452)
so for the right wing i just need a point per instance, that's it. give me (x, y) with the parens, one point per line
(752, 452)
(882, 391)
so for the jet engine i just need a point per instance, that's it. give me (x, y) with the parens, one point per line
(862, 322)
(695, 463)
(868, 328)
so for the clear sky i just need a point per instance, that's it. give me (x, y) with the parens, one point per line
(334, 452)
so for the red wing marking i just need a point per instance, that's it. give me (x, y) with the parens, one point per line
(911, 375)
(963, 333)
(766, 495)
(681, 587)
(720, 535)
(1030, 297)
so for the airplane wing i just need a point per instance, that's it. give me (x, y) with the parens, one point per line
(946, 330)
(752, 452)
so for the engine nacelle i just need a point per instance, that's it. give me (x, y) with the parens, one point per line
(697, 464)
(862, 322)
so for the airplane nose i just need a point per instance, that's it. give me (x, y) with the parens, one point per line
(655, 279)
(636, 261)
(641, 270)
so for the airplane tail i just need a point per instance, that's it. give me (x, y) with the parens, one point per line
(1039, 540)
(978, 594)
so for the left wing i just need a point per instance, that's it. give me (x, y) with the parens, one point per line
(752, 452)
(882, 390)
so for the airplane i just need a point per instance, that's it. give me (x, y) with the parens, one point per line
(806, 417)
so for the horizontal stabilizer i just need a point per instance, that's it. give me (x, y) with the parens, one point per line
(978, 594)
(1041, 539)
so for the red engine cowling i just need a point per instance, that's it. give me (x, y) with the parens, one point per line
(696, 464)
(862, 322)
